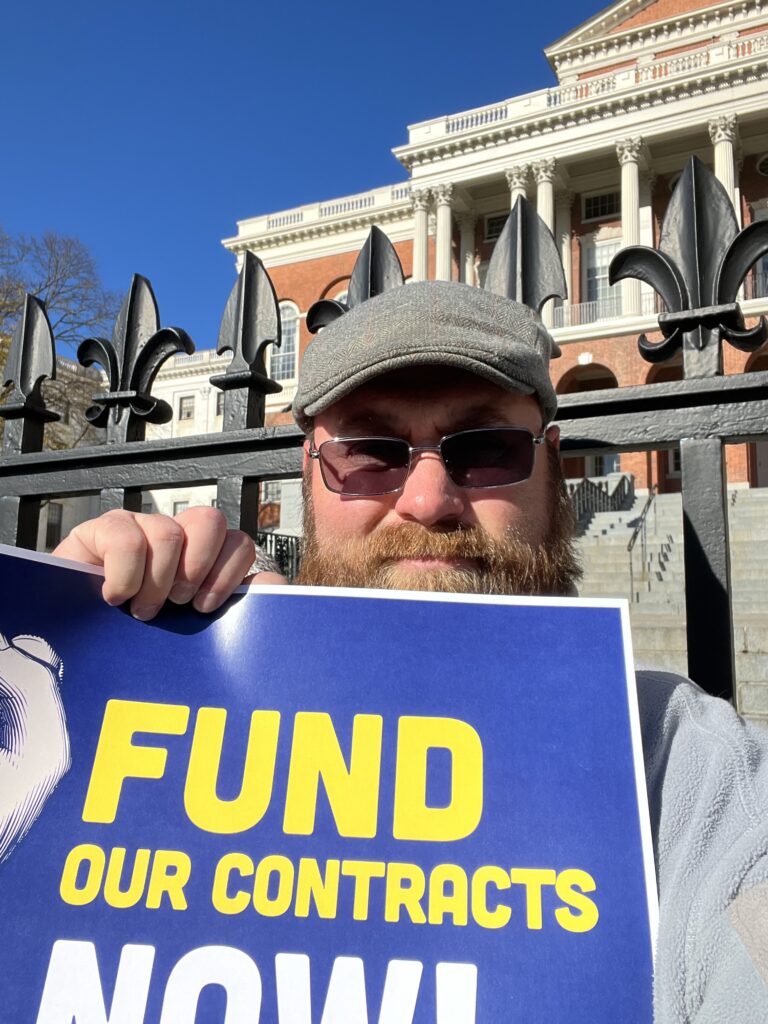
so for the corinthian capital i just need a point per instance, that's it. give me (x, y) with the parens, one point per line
(544, 170)
(517, 177)
(420, 198)
(443, 194)
(630, 151)
(723, 129)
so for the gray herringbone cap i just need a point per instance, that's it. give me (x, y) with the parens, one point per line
(428, 323)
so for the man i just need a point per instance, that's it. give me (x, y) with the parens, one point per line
(430, 463)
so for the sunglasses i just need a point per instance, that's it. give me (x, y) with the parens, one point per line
(482, 458)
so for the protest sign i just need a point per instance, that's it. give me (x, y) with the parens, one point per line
(318, 806)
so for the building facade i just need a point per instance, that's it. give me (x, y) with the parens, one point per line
(639, 88)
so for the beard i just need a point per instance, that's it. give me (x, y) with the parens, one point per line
(508, 565)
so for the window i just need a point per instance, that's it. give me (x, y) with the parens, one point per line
(187, 407)
(282, 362)
(53, 525)
(597, 259)
(219, 403)
(214, 502)
(180, 506)
(271, 492)
(147, 507)
(494, 225)
(599, 207)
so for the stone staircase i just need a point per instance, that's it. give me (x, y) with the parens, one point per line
(655, 584)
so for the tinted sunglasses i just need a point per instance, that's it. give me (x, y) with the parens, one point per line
(486, 457)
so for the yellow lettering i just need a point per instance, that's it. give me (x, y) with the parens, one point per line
(228, 865)
(201, 801)
(322, 890)
(413, 819)
(113, 894)
(533, 879)
(170, 873)
(353, 794)
(362, 871)
(454, 901)
(95, 859)
(570, 887)
(481, 879)
(266, 905)
(405, 888)
(118, 759)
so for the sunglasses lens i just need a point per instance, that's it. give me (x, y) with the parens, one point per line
(366, 465)
(489, 458)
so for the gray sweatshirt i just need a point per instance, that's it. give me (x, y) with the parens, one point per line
(707, 773)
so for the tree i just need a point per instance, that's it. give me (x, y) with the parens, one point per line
(62, 272)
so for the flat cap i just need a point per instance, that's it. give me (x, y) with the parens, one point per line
(428, 323)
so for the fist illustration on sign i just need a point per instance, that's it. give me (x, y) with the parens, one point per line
(34, 746)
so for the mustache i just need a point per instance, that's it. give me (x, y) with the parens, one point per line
(410, 540)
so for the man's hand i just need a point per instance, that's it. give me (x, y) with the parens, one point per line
(34, 747)
(149, 559)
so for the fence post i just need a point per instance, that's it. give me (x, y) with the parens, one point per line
(31, 359)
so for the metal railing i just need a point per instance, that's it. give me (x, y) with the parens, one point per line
(641, 531)
(591, 494)
(284, 548)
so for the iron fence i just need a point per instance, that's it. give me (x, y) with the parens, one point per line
(700, 414)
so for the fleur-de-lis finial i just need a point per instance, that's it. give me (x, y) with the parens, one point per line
(377, 269)
(131, 360)
(31, 360)
(697, 270)
(525, 264)
(250, 323)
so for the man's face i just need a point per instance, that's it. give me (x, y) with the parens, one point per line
(433, 534)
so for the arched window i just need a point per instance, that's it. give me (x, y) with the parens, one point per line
(282, 362)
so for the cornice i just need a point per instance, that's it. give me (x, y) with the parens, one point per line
(577, 49)
(642, 97)
(324, 229)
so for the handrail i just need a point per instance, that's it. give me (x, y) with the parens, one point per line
(640, 526)
(643, 516)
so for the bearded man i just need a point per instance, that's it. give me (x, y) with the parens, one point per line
(431, 463)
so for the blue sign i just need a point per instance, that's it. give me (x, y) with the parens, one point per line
(318, 807)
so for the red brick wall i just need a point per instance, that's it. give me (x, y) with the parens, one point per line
(658, 11)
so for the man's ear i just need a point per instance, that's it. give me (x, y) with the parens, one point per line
(552, 435)
(305, 454)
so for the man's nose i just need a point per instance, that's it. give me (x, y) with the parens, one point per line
(430, 496)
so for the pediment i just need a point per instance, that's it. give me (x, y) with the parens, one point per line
(617, 17)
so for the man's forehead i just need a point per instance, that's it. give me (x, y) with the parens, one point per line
(398, 396)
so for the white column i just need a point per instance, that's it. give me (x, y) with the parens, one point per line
(724, 135)
(420, 201)
(544, 172)
(444, 231)
(517, 179)
(647, 181)
(563, 239)
(467, 261)
(629, 152)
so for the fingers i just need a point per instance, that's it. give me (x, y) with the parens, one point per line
(148, 559)
(227, 573)
(271, 578)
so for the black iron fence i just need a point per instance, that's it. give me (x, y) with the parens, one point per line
(700, 414)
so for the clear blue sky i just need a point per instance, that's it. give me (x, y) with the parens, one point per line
(147, 129)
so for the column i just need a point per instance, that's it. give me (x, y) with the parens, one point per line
(647, 182)
(517, 179)
(563, 239)
(629, 152)
(467, 260)
(420, 202)
(724, 134)
(444, 231)
(544, 173)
